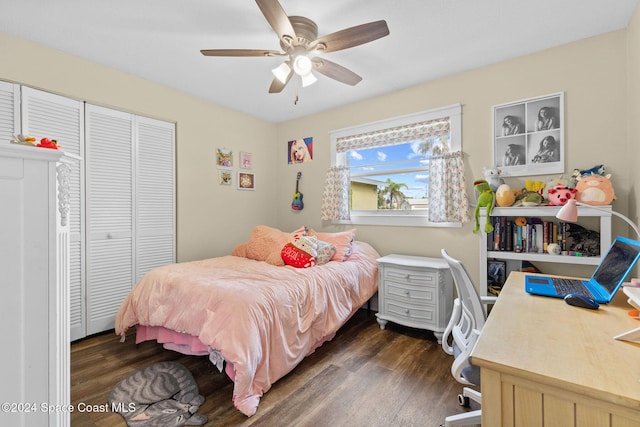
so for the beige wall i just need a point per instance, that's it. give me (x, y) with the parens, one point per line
(211, 219)
(592, 75)
(633, 118)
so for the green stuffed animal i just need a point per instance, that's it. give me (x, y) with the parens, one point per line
(486, 199)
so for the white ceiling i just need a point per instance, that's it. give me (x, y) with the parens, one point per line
(160, 40)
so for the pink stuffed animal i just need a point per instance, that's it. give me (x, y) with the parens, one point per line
(595, 190)
(559, 195)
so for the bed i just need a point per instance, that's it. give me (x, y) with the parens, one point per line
(261, 318)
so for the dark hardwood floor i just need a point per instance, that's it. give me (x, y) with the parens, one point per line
(365, 376)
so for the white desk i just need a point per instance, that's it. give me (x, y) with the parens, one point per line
(544, 362)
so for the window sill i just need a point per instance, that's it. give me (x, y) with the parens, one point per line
(396, 218)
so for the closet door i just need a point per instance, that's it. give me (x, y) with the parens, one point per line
(154, 195)
(9, 111)
(56, 117)
(110, 219)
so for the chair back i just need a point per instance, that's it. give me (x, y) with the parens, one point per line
(467, 320)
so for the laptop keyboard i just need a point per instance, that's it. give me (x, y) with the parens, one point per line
(570, 286)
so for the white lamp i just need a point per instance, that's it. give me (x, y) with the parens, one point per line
(569, 213)
(282, 72)
(302, 66)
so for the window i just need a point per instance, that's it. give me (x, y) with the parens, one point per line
(388, 163)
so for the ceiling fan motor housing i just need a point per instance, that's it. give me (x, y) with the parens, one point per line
(306, 32)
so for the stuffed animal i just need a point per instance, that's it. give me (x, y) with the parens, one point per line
(301, 252)
(486, 199)
(595, 190)
(559, 195)
(505, 196)
(492, 176)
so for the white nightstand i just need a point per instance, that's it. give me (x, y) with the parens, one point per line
(415, 291)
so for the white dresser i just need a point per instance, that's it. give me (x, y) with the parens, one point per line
(415, 291)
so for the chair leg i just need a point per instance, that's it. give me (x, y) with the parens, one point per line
(470, 394)
(464, 419)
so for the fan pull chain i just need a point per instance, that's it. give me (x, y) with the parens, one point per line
(295, 101)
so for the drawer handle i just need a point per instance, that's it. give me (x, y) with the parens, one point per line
(406, 311)
(408, 277)
(407, 293)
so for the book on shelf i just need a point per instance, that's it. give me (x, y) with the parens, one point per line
(535, 237)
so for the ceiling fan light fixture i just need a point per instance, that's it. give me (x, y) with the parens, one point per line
(302, 65)
(308, 79)
(281, 72)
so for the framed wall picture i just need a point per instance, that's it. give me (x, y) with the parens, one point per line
(300, 150)
(224, 158)
(246, 181)
(224, 177)
(246, 161)
(528, 136)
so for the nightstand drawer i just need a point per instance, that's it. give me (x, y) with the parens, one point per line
(409, 276)
(416, 293)
(410, 313)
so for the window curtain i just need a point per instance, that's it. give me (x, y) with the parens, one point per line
(335, 197)
(395, 135)
(448, 201)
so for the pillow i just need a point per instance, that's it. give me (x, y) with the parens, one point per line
(326, 251)
(240, 250)
(265, 243)
(343, 241)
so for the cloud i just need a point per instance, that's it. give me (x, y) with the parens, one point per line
(381, 156)
(422, 178)
(355, 155)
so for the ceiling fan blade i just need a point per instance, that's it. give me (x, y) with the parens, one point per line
(335, 71)
(240, 52)
(277, 18)
(350, 37)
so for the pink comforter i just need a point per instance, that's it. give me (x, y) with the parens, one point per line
(263, 319)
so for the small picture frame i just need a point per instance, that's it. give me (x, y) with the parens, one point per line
(224, 177)
(496, 272)
(246, 181)
(246, 162)
(528, 136)
(224, 158)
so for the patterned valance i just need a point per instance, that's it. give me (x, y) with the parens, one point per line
(397, 135)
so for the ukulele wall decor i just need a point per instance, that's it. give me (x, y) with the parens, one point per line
(297, 203)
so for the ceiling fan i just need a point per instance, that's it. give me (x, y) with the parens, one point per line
(299, 41)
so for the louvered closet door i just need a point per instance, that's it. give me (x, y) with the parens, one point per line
(9, 111)
(109, 199)
(155, 194)
(56, 117)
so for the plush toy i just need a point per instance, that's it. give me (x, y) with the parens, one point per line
(48, 143)
(528, 198)
(492, 176)
(559, 195)
(301, 252)
(537, 186)
(595, 190)
(23, 140)
(505, 196)
(486, 199)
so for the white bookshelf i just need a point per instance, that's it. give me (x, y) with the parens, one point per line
(544, 213)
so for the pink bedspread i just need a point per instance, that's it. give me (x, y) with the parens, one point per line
(261, 318)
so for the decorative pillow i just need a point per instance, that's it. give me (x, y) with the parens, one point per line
(343, 241)
(266, 242)
(326, 251)
(296, 257)
(240, 250)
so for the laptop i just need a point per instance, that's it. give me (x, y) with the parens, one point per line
(614, 267)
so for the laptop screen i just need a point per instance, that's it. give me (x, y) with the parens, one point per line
(617, 263)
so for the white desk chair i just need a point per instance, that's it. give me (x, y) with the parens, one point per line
(466, 323)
